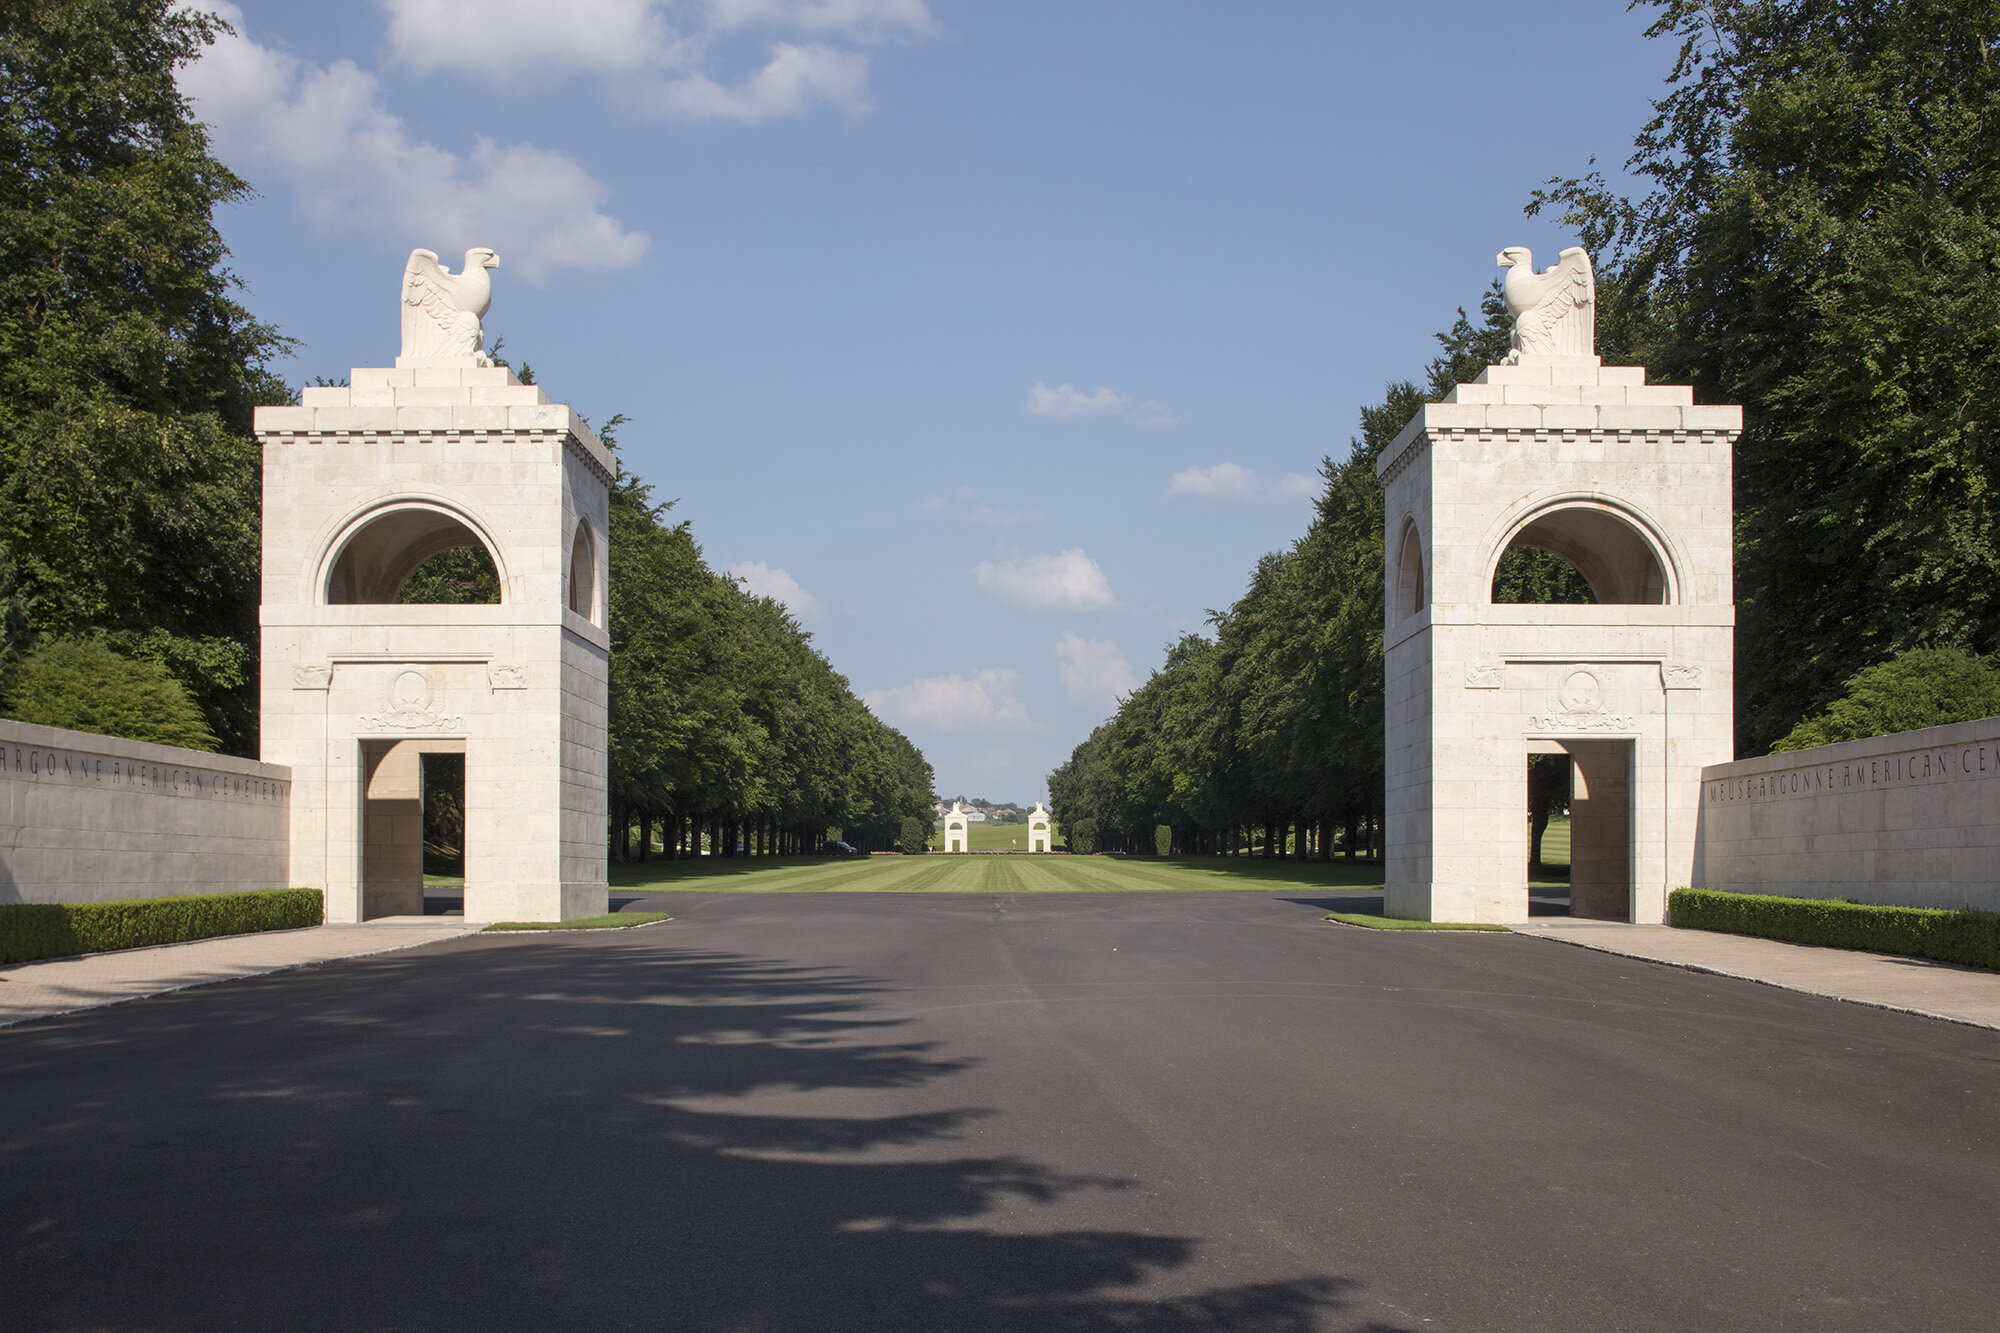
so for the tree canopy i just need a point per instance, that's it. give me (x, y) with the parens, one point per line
(1820, 242)
(128, 371)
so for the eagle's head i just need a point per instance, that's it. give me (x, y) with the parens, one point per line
(1516, 254)
(482, 257)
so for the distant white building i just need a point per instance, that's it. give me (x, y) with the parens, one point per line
(1038, 829)
(956, 836)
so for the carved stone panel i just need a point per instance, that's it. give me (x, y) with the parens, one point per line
(1680, 675)
(1485, 676)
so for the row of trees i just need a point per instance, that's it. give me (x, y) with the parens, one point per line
(1267, 733)
(726, 722)
(1821, 243)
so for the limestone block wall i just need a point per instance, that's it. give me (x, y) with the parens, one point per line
(91, 818)
(586, 811)
(1911, 819)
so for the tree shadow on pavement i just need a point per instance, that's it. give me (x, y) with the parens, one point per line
(553, 1134)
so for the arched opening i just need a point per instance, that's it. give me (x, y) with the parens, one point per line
(583, 574)
(412, 554)
(1580, 554)
(1410, 593)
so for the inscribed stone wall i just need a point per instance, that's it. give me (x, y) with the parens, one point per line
(92, 818)
(1911, 819)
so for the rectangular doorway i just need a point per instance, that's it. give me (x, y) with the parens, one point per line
(1593, 777)
(393, 823)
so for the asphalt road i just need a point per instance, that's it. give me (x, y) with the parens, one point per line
(1131, 1112)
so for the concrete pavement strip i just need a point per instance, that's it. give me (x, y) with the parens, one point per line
(54, 986)
(1883, 981)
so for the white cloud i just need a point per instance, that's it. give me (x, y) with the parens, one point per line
(660, 56)
(972, 509)
(795, 78)
(1071, 581)
(1068, 401)
(762, 580)
(1093, 671)
(353, 161)
(506, 38)
(976, 702)
(1232, 481)
(856, 18)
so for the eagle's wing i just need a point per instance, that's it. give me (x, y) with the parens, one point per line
(434, 319)
(426, 284)
(1576, 283)
(1560, 322)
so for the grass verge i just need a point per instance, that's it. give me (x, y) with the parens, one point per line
(1937, 933)
(941, 873)
(1374, 922)
(615, 921)
(59, 930)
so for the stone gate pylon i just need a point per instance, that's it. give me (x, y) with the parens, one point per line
(365, 482)
(1629, 482)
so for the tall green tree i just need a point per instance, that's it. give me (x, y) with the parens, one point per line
(1821, 243)
(128, 371)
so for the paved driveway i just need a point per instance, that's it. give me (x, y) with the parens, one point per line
(1174, 1112)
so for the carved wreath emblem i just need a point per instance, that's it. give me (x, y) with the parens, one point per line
(412, 700)
(1580, 707)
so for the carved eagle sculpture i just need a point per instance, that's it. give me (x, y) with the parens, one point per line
(442, 309)
(1555, 312)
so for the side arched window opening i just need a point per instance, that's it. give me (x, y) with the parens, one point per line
(583, 574)
(413, 556)
(1579, 556)
(1411, 596)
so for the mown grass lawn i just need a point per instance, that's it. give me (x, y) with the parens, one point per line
(939, 873)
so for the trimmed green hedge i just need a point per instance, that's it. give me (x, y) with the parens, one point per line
(1915, 932)
(57, 930)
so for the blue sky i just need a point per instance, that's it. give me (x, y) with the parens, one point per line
(999, 339)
